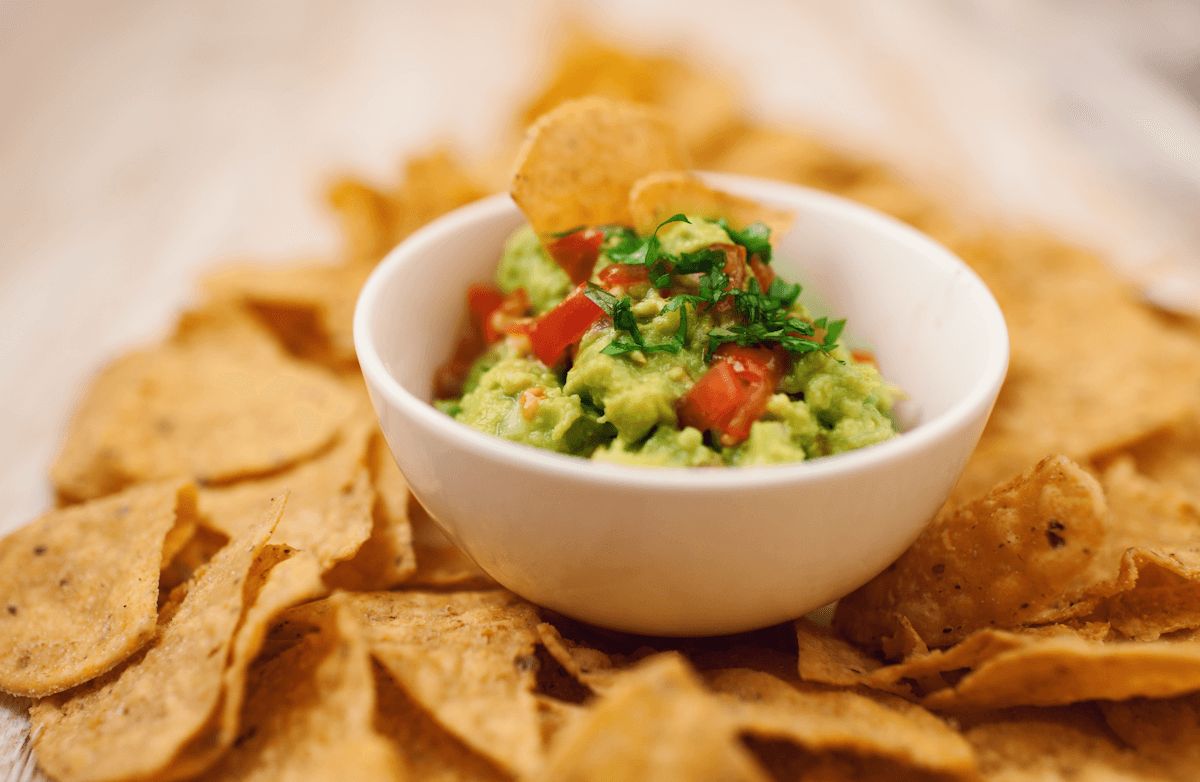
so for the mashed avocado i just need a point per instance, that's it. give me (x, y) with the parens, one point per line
(667, 447)
(616, 401)
(679, 238)
(520, 399)
(637, 392)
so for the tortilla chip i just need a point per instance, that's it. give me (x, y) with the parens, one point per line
(1163, 595)
(1173, 457)
(589, 66)
(226, 326)
(823, 721)
(655, 197)
(439, 562)
(656, 722)
(596, 658)
(779, 153)
(939, 669)
(309, 307)
(80, 585)
(556, 715)
(366, 217)
(1022, 554)
(1064, 670)
(893, 193)
(903, 643)
(1066, 308)
(1055, 745)
(430, 753)
(468, 659)
(308, 713)
(329, 502)
(374, 221)
(197, 552)
(825, 658)
(1043, 548)
(435, 182)
(196, 410)
(387, 558)
(580, 160)
(590, 667)
(745, 651)
(1148, 513)
(133, 721)
(391, 487)
(1164, 732)
(280, 579)
(1157, 531)
(996, 669)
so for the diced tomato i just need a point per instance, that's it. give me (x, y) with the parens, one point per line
(712, 402)
(493, 315)
(577, 252)
(754, 360)
(733, 393)
(624, 275)
(735, 270)
(735, 264)
(563, 326)
(449, 378)
(482, 301)
(510, 315)
(863, 357)
(763, 273)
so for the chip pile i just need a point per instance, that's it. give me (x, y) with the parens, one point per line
(237, 584)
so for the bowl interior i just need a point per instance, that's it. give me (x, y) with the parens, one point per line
(935, 330)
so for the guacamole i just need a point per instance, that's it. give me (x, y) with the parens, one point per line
(676, 349)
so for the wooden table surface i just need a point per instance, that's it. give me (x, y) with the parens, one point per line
(142, 142)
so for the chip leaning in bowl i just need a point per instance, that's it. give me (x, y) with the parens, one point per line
(678, 347)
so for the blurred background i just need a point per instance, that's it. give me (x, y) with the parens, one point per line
(143, 142)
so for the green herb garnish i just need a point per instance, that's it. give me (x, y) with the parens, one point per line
(767, 315)
(621, 312)
(647, 251)
(756, 238)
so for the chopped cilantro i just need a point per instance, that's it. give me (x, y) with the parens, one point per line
(766, 315)
(644, 251)
(621, 312)
(756, 238)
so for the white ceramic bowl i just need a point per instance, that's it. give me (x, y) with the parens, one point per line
(694, 551)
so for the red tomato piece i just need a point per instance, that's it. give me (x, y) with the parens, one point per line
(507, 317)
(563, 326)
(482, 301)
(863, 357)
(711, 403)
(624, 275)
(763, 273)
(761, 361)
(449, 378)
(577, 252)
(492, 316)
(733, 393)
(735, 264)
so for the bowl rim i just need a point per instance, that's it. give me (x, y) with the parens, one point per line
(980, 397)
